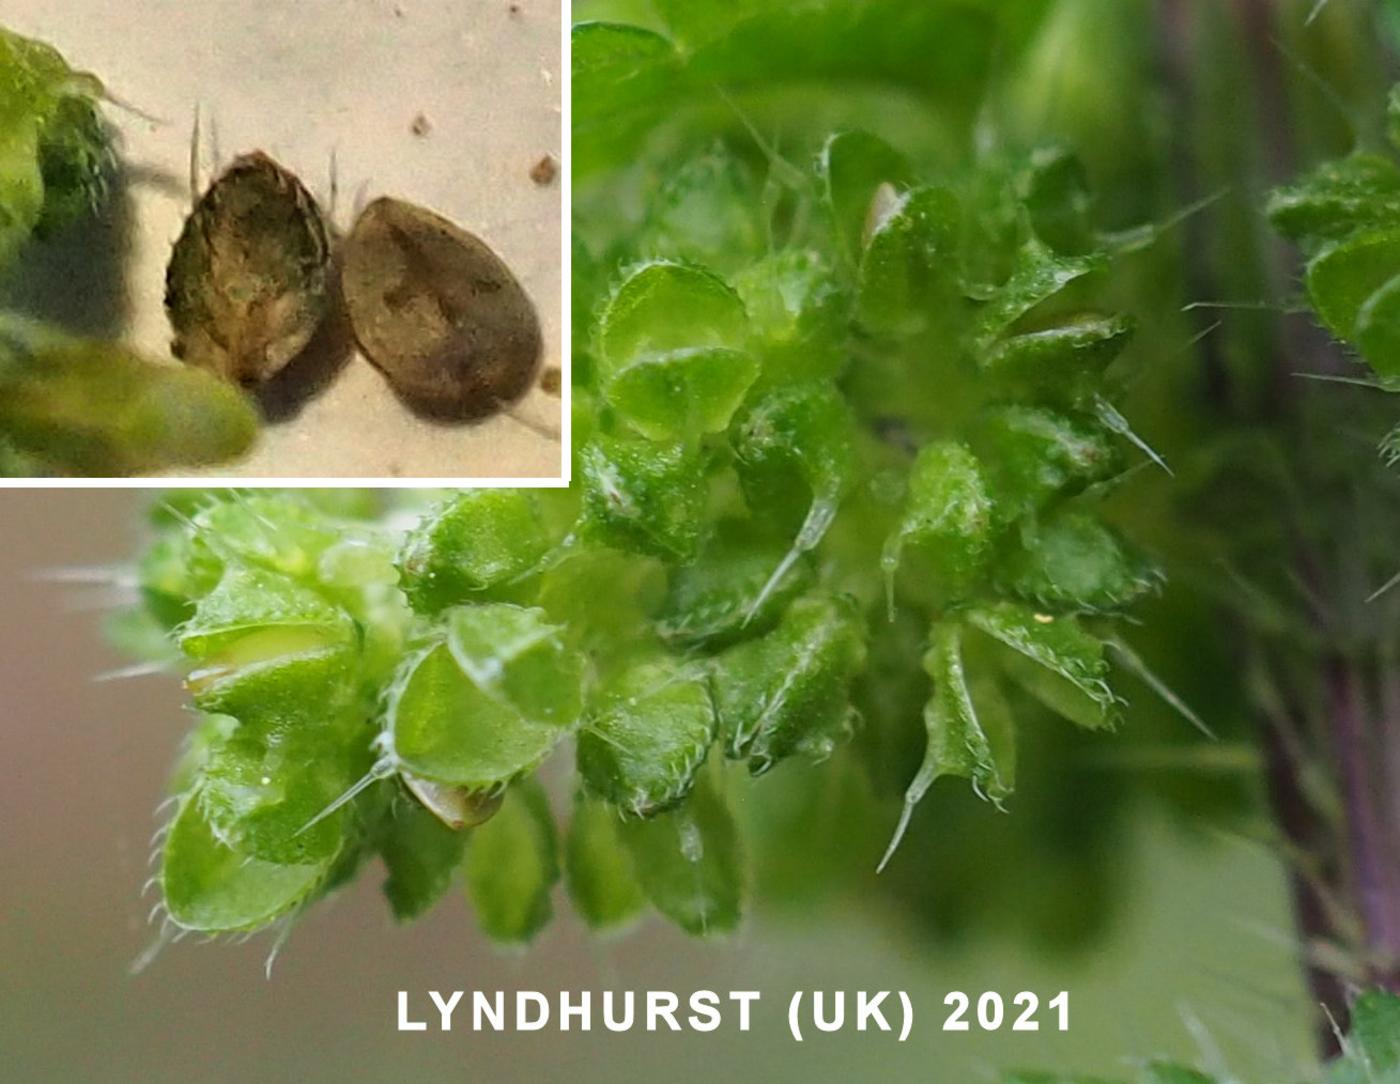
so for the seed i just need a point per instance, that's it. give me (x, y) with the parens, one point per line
(551, 381)
(249, 277)
(438, 312)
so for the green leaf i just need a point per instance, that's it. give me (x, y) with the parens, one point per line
(598, 867)
(211, 888)
(803, 434)
(1378, 329)
(689, 862)
(1032, 455)
(1360, 192)
(1024, 1077)
(644, 497)
(647, 737)
(1345, 275)
(909, 273)
(477, 540)
(948, 515)
(247, 601)
(512, 864)
(515, 656)
(969, 737)
(621, 76)
(1055, 659)
(797, 316)
(21, 184)
(1072, 561)
(55, 151)
(1039, 275)
(1066, 361)
(450, 727)
(671, 344)
(272, 797)
(1375, 1030)
(789, 692)
(421, 854)
(720, 596)
(1055, 190)
(852, 166)
(1159, 1072)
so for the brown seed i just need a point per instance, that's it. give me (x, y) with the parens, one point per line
(545, 170)
(438, 312)
(249, 279)
(421, 125)
(551, 381)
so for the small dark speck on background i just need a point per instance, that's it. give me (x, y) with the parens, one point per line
(550, 381)
(545, 170)
(421, 125)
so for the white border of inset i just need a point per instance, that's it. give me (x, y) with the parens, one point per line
(453, 481)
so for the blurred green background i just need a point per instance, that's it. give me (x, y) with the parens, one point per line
(1201, 929)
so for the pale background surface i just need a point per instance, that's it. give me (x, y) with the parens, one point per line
(300, 81)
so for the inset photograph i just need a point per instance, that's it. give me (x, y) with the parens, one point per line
(308, 241)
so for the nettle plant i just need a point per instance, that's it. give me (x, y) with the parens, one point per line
(825, 422)
(1345, 216)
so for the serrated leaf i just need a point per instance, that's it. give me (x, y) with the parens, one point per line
(647, 737)
(966, 736)
(272, 797)
(720, 595)
(1032, 454)
(805, 433)
(598, 867)
(643, 496)
(1360, 192)
(1055, 659)
(251, 602)
(948, 515)
(689, 862)
(512, 864)
(211, 888)
(477, 540)
(1039, 275)
(1073, 561)
(789, 692)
